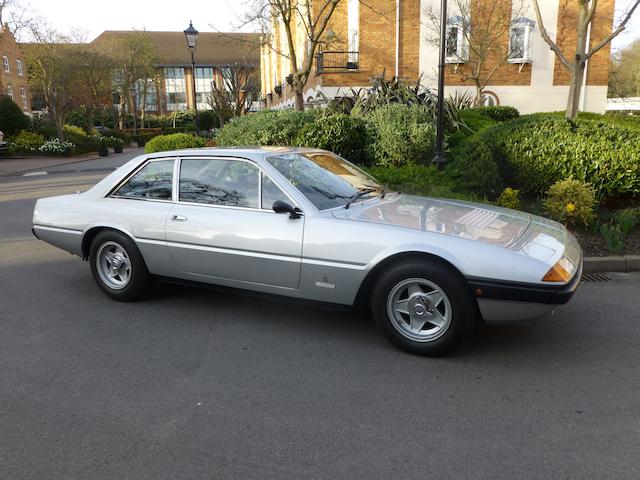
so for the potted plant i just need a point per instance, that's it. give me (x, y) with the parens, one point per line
(140, 140)
(103, 145)
(117, 144)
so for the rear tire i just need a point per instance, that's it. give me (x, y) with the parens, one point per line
(117, 266)
(423, 308)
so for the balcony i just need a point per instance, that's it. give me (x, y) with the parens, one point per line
(334, 62)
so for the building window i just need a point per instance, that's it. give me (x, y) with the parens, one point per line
(146, 95)
(204, 77)
(521, 40)
(5, 64)
(10, 92)
(175, 88)
(23, 98)
(457, 48)
(19, 68)
(353, 22)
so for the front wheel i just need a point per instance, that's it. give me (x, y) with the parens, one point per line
(118, 267)
(423, 308)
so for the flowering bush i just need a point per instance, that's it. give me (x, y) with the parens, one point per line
(56, 147)
(571, 201)
(27, 141)
(509, 198)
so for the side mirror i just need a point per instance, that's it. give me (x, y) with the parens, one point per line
(283, 207)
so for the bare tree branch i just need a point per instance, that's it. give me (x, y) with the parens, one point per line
(552, 45)
(616, 32)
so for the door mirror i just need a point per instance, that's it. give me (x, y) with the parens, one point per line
(283, 207)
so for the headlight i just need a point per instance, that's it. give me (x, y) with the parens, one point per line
(562, 271)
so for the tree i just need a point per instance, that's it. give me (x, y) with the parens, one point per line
(52, 74)
(12, 119)
(135, 56)
(479, 41)
(93, 68)
(624, 78)
(583, 52)
(312, 17)
(233, 94)
(20, 17)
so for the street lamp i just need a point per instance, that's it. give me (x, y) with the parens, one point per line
(438, 157)
(191, 35)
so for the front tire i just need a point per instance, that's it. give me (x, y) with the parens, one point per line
(117, 266)
(423, 308)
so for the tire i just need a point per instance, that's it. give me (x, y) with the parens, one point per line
(442, 300)
(131, 279)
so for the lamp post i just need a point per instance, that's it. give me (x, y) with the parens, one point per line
(439, 158)
(191, 35)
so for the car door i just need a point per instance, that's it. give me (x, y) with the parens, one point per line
(223, 226)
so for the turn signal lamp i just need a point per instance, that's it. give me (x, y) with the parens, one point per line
(560, 272)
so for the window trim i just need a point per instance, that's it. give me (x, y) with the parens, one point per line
(462, 47)
(23, 98)
(529, 26)
(246, 160)
(6, 64)
(110, 193)
(10, 92)
(19, 68)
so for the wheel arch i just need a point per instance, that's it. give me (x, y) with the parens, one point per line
(90, 234)
(364, 292)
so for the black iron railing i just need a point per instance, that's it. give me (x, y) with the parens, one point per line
(336, 61)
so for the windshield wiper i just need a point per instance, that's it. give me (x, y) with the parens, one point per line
(357, 195)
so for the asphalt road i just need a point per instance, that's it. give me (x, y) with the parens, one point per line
(193, 383)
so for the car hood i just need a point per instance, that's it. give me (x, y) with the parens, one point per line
(474, 221)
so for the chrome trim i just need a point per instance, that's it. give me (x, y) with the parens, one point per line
(253, 253)
(59, 230)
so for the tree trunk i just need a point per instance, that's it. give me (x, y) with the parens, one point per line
(478, 100)
(575, 90)
(299, 100)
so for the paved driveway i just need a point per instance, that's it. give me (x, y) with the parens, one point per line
(192, 383)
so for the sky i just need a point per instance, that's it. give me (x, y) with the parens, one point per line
(93, 16)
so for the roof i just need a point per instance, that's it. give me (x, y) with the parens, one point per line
(214, 48)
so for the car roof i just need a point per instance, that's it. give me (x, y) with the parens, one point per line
(241, 151)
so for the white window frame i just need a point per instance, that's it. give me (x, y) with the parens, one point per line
(462, 45)
(23, 97)
(529, 26)
(6, 64)
(353, 26)
(19, 68)
(10, 92)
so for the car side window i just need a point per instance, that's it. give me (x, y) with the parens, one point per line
(153, 181)
(271, 193)
(231, 183)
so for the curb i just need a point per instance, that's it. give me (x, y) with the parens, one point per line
(625, 264)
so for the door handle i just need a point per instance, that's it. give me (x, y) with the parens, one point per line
(179, 218)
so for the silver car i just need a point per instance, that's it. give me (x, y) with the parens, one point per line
(308, 224)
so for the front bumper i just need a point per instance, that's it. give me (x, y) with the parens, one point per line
(501, 301)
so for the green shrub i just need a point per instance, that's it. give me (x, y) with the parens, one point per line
(28, 142)
(538, 150)
(571, 202)
(82, 140)
(473, 122)
(176, 141)
(57, 147)
(614, 237)
(338, 133)
(268, 127)
(474, 169)
(509, 198)
(626, 219)
(12, 119)
(499, 113)
(400, 135)
(423, 180)
(207, 120)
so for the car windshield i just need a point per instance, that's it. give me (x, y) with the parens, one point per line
(327, 180)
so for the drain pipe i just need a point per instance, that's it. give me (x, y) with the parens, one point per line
(397, 39)
(583, 100)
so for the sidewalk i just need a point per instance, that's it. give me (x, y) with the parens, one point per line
(10, 166)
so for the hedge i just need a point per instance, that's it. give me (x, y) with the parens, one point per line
(12, 119)
(175, 141)
(538, 150)
(338, 133)
(499, 113)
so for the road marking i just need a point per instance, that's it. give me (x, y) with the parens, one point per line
(34, 174)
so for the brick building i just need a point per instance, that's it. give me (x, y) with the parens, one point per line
(390, 36)
(174, 89)
(13, 70)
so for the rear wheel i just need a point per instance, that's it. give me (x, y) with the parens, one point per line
(118, 267)
(423, 308)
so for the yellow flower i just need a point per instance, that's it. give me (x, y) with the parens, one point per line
(571, 207)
